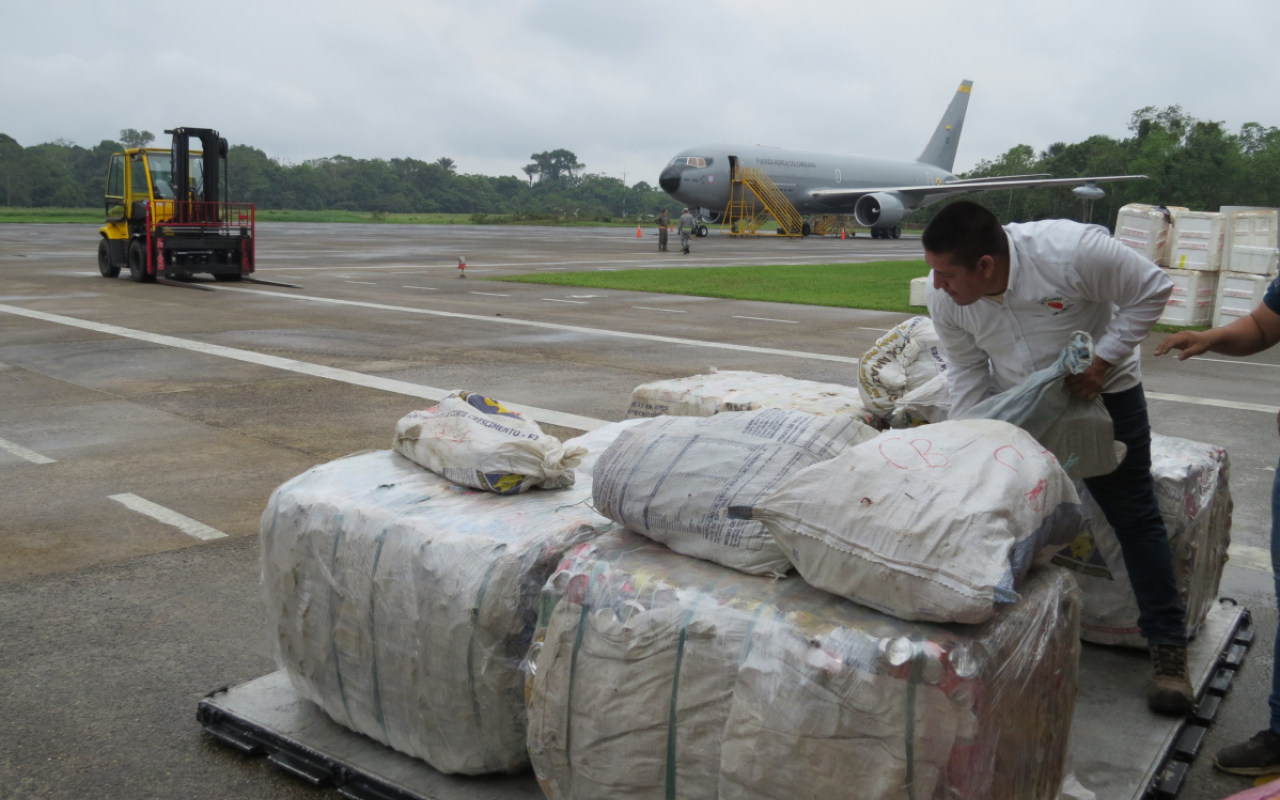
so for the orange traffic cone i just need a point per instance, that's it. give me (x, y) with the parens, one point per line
(639, 235)
(462, 267)
(842, 233)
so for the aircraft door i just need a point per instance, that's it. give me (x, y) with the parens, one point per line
(733, 168)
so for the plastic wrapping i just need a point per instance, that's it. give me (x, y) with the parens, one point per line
(1251, 242)
(1191, 302)
(475, 441)
(1239, 293)
(1193, 489)
(929, 402)
(938, 523)
(733, 390)
(673, 478)
(402, 604)
(1196, 240)
(1146, 229)
(658, 676)
(903, 359)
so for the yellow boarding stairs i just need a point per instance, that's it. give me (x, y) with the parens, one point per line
(753, 199)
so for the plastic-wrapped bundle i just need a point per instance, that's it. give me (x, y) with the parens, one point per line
(734, 390)
(402, 604)
(936, 523)
(902, 360)
(1193, 489)
(673, 478)
(658, 676)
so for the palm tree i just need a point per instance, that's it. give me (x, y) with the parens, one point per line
(448, 164)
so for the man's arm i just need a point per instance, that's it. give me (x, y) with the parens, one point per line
(968, 366)
(1109, 272)
(1244, 337)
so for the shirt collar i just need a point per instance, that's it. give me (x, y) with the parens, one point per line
(1013, 264)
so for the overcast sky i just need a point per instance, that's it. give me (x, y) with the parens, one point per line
(488, 82)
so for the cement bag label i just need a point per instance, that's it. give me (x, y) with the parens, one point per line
(903, 359)
(673, 478)
(475, 441)
(936, 523)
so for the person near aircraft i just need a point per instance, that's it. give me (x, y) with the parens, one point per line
(1004, 301)
(664, 223)
(685, 230)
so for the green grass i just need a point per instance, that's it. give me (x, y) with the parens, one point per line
(879, 285)
(15, 214)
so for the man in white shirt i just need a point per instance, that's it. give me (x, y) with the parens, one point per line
(1004, 302)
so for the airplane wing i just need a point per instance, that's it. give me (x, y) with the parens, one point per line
(970, 185)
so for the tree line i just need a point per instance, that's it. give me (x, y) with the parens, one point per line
(1190, 162)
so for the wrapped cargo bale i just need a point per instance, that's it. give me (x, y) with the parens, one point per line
(673, 478)
(1192, 487)
(929, 402)
(657, 676)
(735, 390)
(1252, 239)
(937, 523)
(476, 441)
(1145, 228)
(903, 359)
(1196, 240)
(402, 604)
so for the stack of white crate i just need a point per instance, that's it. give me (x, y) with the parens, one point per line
(1249, 263)
(1146, 229)
(1195, 256)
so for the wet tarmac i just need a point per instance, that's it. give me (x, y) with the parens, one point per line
(115, 622)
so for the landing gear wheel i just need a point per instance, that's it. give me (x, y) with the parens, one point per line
(806, 229)
(895, 232)
(138, 263)
(104, 260)
(700, 231)
(227, 277)
(876, 233)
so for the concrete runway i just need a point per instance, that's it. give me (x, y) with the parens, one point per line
(142, 428)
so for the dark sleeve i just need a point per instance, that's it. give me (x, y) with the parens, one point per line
(1272, 298)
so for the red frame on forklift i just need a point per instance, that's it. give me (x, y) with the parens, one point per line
(204, 215)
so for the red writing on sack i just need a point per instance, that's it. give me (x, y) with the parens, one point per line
(1035, 497)
(912, 455)
(1007, 459)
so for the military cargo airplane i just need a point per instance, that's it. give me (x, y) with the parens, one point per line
(878, 192)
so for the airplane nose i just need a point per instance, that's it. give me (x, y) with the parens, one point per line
(669, 180)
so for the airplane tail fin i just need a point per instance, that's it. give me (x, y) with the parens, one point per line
(941, 149)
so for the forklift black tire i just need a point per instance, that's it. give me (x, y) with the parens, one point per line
(895, 232)
(105, 266)
(805, 229)
(227, 277)
(138, 263)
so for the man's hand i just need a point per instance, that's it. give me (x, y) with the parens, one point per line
(1190, 343)
(1088, 384)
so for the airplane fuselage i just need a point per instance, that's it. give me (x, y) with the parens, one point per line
(797, 174)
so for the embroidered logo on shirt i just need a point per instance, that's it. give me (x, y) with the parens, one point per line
(1056, 305)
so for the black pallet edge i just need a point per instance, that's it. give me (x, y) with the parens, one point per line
(1207, 709)
(1234, 657)
(1170, 780)
(1190, 742)
(298, 760)
(1220, 683)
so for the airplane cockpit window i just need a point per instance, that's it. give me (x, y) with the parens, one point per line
(693, 161)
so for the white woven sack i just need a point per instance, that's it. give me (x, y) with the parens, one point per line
(903, 359)
(934, 523)
(475, 441)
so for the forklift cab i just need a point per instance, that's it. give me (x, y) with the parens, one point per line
(141, 175)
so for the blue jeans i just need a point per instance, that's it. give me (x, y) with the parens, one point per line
(1274, 699)
(1127, 498)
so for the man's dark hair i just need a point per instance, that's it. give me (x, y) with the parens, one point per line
(966, 232)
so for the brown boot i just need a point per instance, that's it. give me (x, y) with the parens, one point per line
(1170, 691)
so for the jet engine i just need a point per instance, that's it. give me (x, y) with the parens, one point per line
(879, 210)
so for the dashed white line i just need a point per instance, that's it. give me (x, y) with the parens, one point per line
(1231, 361)
(168, 516)
(362, 283)
(423, 288)
(877, 330)
(1242, 555)
(300, 367)
(490, 294)
(549, 269)
(22, 452)
(767, 319)
(1205, 401)
(553, 300)
(666, 310)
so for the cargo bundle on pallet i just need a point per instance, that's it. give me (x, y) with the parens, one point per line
(1146, 229)
(1195, 241)
(1192, 300)
(1251, 241)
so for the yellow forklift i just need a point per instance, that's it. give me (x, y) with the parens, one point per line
(167, 217)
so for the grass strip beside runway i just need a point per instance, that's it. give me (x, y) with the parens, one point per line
(878, 285)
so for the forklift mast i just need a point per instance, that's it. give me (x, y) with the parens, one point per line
(215, 156)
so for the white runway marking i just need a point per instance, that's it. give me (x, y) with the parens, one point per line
(550, 269)
(168, 516)
(553, 300)
(300, 367)
(362, 283)
(648, 337)
(1205, 401)
(423, 288)
(877, 330)
(490, 294)
(1242, 555)
(768, 319)
(665, 310)
(22, 452)
(1227, 361)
